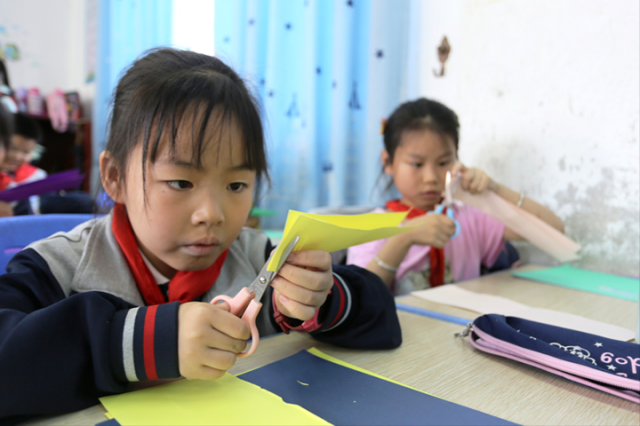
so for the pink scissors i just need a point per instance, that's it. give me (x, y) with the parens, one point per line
(246, 303)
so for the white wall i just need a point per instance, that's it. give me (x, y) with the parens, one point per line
(548, 97)
(51, 37)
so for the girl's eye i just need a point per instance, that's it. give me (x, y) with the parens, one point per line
(180, 184)
(445, 163)
(237, 186)
(416, 165)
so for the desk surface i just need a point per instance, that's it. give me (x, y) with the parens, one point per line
(432, 360)
(606, 309)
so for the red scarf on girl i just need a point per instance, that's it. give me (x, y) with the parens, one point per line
(436, 258)
(185, 286)
(24, 172)
(5, 180)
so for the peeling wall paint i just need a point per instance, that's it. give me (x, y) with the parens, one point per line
(548, 98)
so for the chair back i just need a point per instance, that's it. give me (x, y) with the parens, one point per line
(19, 231)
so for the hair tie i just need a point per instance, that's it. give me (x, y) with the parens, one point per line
(383, 125)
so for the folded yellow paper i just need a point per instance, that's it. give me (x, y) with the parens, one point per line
(335, 232)
(225, 401)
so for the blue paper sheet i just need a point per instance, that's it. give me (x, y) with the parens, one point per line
(343, 396)
(110, 422)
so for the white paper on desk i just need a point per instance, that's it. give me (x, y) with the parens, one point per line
(523, 223)
(453, 295)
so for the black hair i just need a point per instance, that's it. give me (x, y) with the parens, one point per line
(6, 126)
(421, 114)
(27, 127)
(4, 74)
(160, 87)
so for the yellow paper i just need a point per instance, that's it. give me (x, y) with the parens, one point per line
(226, 401)
(320, 354)
(335, 232)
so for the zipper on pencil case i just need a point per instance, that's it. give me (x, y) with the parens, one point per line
(561, 365)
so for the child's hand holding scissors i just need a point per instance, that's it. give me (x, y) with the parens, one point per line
(433, 230)
(303, 283)
(209, 338)
(473, 180)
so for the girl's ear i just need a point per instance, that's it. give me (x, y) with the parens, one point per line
(386, 164)
(110, 177)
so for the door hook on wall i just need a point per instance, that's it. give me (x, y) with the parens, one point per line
(443, 54)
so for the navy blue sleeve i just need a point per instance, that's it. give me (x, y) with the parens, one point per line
(60, 354)
(22, 208)
(360, 312)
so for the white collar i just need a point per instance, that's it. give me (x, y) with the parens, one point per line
(160, 279)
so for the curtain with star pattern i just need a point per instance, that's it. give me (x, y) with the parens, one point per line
(325, 72)
(126, 29)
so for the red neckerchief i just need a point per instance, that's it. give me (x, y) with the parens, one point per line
(24, 172)
(185, 286)
(5, 180)
(436, 258)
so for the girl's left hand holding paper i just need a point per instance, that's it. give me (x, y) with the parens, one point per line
(303, 283)
(473, 180)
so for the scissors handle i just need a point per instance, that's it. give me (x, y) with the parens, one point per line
(439, 209)
(450, 215)
(243, 304)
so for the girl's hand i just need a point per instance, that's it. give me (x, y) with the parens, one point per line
(303, 283)
(5, 209)
(433, 230)
(209, 337)
(473, 180)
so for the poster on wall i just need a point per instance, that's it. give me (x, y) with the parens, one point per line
(91, 40)
(9, 50)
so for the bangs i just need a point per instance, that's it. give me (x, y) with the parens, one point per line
(202, 100)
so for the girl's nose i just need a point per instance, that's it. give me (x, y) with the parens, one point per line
(429, 174)
(209, 211)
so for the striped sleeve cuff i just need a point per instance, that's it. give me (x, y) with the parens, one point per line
(145, 343)
(340, 305)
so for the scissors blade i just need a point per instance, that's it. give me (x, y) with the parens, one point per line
(448, 190)
(264, 278)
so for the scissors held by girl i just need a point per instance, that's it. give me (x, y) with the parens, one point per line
(446, 206)
(246, 303)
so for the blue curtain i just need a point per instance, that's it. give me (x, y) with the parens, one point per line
(326, 71)
(126, 28)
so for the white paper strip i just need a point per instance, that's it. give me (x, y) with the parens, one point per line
(453, 295)
(523, 223)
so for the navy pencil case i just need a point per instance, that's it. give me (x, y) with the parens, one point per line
(608, 365)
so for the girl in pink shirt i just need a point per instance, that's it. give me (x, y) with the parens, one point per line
(420, 146)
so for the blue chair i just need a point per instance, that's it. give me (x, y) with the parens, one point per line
(19, 231)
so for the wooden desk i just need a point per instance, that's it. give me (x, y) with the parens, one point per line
(432, 360)
(607, 309)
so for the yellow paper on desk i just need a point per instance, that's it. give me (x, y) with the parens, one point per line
(225, 401)
(335, 232)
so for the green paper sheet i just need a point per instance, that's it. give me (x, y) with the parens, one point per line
(225, 401)
(580, 279)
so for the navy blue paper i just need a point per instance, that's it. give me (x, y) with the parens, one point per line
(110, 422)
(343, 396)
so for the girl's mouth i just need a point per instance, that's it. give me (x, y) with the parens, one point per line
(430, 194)
(200, 249)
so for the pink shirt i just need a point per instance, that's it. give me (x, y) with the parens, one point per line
(479, 243)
